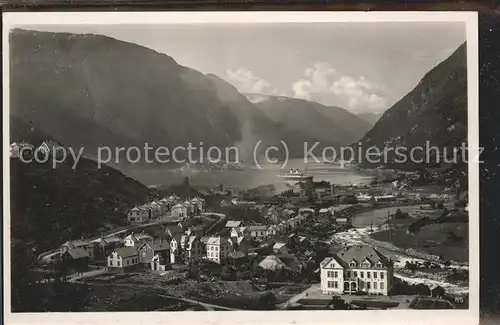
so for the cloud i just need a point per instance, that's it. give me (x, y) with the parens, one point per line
(323, 84)
(359, 94)
(317, 80)
(247, 82)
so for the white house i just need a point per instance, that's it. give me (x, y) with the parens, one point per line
(199, 204)
(357, 269)
(135, 240)
(155, 210)
(271, 231)
(258, 231)
(179, 211)
(123, 258)
(280, 248)
(218, 249)
(240, 231)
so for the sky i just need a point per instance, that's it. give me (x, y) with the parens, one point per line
(362, 67)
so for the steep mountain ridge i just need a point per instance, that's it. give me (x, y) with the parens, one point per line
(435, 110)
(101, 91)
(313, 119)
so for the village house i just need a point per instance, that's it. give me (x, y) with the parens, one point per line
(218, 249)
(52, 148)
(79, 243)
(190, 208)
(272, 230)
(136, 240)
(155, 210)
(22, 148)
(123, 259)
(358, 269)
(280, 248)
(240, 244)
(76, 258)
(191, 249)
(233, 224)
(198, 203)
(179, 211)
(258, 231)
(104, 245)
(164, 206)
(195, 231)
(274, 213)
(436, 291)
(240, 231)
(148, 251)
(307, 213)
(134, 215)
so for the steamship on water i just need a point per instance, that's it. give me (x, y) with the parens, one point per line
(295, 175)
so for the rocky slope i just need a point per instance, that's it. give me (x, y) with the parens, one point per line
(327, 123)
(50, 206)
(435, 110)
(92, 90)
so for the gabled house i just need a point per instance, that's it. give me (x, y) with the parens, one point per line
(218, 249)
(136, 240)
(280, 248)
(79, 243)
(199, 204)
(104, 245)
(52, 148)
(272, 230)
(24, 149)
(357, 269)
(179, 211)
(258, 231)
(191, 249)
(240, 231)
(190, 208)
(77, 258)
(148, 251)
(134, 215)
(123, 259)
(234, 224)
(155, 210)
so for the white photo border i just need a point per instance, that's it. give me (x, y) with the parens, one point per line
(471, 316)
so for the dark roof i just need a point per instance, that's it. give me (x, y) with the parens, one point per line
(237, 255)
(159, 245)
(360, 253)
(77, 253)
(126, 251)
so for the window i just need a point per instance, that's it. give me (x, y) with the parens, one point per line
(355, 274)
(352, 264)
(374, 275)
(362, 274)
(110, 262)
(368, 274)
(365, 264)
(128, 262)
(374, 285)
(335, 284)
(379, 264)
(382, 285)
(348, 274)
(335, 274)
(118, 263)
(368, 285)
(217, 255)
(382, 275)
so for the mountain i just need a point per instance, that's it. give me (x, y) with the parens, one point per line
(371, 118)
(92, 90)
(257, 126)
(52, 205)
(435, 110)
(327, 123)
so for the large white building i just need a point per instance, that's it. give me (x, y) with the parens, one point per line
(218, 249)
(357, 269)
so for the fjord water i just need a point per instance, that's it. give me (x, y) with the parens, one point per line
(251, 177)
